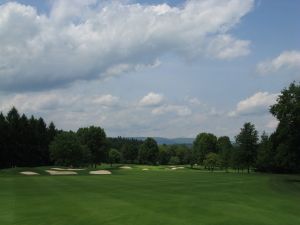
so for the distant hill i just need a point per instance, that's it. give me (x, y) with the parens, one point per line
(169, 141)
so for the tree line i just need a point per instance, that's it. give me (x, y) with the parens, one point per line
(24, 141)
(30, 142)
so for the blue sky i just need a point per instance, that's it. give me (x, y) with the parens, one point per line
(149, 68)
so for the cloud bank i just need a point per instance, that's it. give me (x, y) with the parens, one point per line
(86, 40)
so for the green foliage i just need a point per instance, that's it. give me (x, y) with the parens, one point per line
(286, 139)
(129, 152)
(174, 160)
(114, 156)
(247, 143)
(211, 161)
(204, 144)
(164, 155)
(23, 141)
(66, 150)
(265, 154)
(148, 153)
(95, 139)
(225, 151)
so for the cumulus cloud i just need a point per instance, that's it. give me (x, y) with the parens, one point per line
(85, 40)
(286, 60)
(177, 109)
(152, 99)
(106, 100)
(228, 47)
(257, 103)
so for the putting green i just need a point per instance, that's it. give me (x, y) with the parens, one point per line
(157, 196)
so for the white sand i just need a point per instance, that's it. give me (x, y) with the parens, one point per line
(145, 169)
(69, 169)
(173, 168)
(100, 172)
(29, 173)
(180, 167)
(53, 172)
(126, 167)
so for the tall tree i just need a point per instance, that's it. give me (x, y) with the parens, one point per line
(164, 155)
(3, 141)
(247, 141)
(225, 150)
(286, 139)
(129, 152)
(265, 154)
(114, 156)
(148, 153)
(66, 150)
(211, 161)
(204, 144)
(13, 141)
(95, 139)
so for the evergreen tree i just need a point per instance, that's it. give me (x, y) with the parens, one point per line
(247, 145)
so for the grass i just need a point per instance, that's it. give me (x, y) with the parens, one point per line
(157, 196)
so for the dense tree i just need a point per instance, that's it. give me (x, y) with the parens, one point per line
(204, 144)
(265, 154)
(114, 156)
(119, 142)
(95, 139)
(148, 152)
(286, 139)
(24, 142)
(129, 152)
(3, 142)
(67, 150)
(174, 160)
(211, 161)
(225, 151)
(247, 142)
(164, 155)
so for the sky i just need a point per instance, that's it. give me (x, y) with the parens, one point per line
(149, 68)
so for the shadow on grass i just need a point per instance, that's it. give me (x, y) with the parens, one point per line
(293, 180)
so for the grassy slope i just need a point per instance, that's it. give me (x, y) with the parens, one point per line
(163, 197)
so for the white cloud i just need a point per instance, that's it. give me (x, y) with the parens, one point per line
(227, 47)
(84, 40)
(286, 60)
(194, 101)
(152, 99)
(257, 103)
(52, 101)
(177, 109)
(272, 124)
(106, 100)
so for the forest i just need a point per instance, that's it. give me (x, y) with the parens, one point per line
(29, 142)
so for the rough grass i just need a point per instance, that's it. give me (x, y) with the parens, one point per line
(157, 196)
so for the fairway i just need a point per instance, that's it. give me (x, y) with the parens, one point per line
(136, 197)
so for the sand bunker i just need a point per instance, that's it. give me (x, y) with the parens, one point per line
(69, 169)
(176, 168)
(100, 172)
(145, 169)
(29, 173)
(126, 167)
(53, 172)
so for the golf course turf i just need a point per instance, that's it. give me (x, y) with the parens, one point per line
(157, 196)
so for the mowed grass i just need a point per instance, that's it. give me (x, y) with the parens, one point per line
(157, 196)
